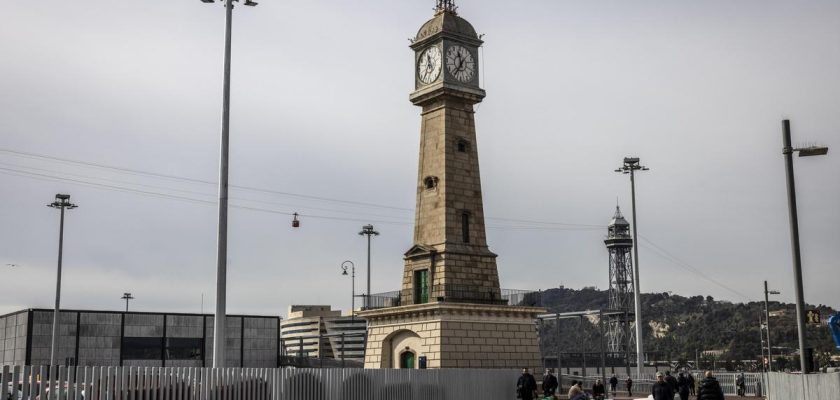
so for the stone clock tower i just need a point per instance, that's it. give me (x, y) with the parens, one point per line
(451, 312)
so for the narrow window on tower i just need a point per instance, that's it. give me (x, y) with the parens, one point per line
(465, 226)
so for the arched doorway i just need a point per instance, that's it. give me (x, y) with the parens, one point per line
(397, 344)
(407, 360)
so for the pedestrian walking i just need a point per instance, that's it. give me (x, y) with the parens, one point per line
(549, 384)
(682, 384)
(526, 386)
(613, 384)
(661, 389)
(671, 381)
(629, 384)
(692, 386)
(599, 391)
(709, 388)
(741, 384)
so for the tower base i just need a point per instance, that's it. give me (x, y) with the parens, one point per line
(452, 335)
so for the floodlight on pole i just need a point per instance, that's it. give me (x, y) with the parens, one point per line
(368, 231)
(127, 296)
(767, 294)
(630, 166)
(219, 321)
(787, 151)
(62, 202)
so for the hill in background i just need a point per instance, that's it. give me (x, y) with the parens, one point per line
(678, 328)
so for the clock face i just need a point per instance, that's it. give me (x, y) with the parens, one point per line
(460, 63)
(428, 65)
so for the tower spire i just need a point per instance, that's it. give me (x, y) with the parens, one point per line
(446, 6)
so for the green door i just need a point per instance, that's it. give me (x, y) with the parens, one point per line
(421, 286)
(407, 360)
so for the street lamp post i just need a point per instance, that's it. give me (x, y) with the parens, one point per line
(788, 150)
(62, 201)
(352, 287)
(219, 331)
(127, 296)
(630, 166)
(368, 231)
(767, 294)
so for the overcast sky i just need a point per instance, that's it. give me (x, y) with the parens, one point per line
(321, 122)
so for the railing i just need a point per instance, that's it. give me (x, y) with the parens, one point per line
(155, 383)
(383, 300)
(458, 294)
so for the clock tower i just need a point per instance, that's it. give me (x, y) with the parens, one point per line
(451, 311)
(449, 260)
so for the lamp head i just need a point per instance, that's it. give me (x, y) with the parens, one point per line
(250, 3)
(62, 201)
(812, 151)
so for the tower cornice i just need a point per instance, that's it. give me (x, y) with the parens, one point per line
(428, 94)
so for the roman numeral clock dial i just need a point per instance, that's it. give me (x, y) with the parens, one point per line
(428, 65)
(460, 63)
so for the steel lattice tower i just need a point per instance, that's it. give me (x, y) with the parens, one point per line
(619, 243)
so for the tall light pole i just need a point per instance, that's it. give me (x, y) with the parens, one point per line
(127, 296)
(767, 294)
(368, 230)
(219, 324)
(352, 286)
(788, 150)
(630, 166)
(61, 202)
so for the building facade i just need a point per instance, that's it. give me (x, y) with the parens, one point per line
(318, 331)
(113, 338)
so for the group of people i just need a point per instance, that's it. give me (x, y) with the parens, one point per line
(665, 387)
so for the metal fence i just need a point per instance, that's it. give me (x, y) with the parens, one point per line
(155, 383)
(803, 387)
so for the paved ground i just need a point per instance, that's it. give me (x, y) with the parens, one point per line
(624, 397)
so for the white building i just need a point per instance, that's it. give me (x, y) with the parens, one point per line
(339, 335)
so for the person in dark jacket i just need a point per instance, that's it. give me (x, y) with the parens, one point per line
(526, 386)
(741, 385)
(629, 384)
(599, 391)
(549, 384)
(682, 384)
(709, 388)
(661, 389)
(671, 381)
(692, 387)
(613, 384)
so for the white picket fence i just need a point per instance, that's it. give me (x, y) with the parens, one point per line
(155, 383)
